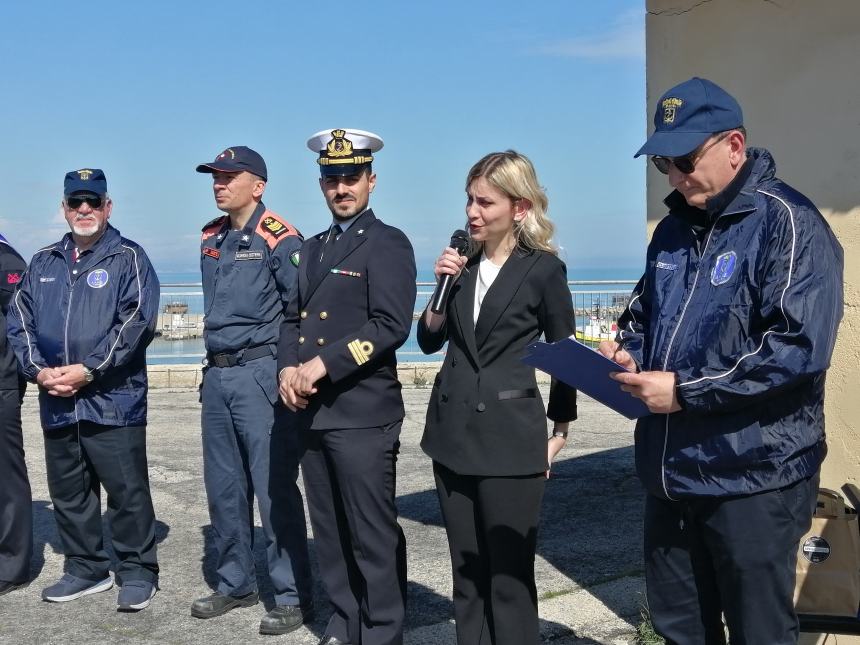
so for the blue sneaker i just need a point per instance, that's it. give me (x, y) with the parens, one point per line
(71, 587)
(135, 595)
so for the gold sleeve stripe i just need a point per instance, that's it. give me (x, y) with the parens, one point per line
(360, 350)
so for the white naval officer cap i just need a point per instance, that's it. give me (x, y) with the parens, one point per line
(344, 151)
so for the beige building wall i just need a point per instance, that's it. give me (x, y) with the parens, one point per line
(793, 66)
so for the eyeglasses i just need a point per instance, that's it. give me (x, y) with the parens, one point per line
(75, 202)
(687, 163)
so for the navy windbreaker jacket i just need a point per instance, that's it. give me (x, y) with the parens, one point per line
(101, 313)
(746, 317)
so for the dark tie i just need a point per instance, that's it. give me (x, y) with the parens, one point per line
(322, 263)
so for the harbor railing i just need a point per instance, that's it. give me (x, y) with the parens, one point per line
(179, 333)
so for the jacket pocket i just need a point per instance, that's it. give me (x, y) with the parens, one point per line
(527, 393)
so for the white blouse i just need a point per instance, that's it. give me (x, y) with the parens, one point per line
(487, 272)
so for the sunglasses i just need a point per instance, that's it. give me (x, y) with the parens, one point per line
(75, 202)
(687, 163)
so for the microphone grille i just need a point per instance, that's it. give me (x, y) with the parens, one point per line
(460, 241)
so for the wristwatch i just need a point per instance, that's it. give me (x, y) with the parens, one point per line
(560, 433)
(88, 374)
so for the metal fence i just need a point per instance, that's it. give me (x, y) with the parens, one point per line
(179, 333)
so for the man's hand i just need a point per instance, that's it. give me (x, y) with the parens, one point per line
(64, 381)
(612, 350)
(306, 375)
(288, 395)
(656, 389)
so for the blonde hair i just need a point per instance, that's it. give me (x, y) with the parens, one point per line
(515, 176)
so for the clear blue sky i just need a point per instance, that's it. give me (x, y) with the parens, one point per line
(147, 90)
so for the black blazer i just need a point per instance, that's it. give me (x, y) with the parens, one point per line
(354, 315)
(486, 416)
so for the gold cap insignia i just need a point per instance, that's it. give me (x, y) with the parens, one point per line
(669, 106)
(339, 146)
(85, 174)
(360, 350)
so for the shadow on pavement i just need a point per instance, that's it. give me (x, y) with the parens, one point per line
(591, 521)
(45, 535)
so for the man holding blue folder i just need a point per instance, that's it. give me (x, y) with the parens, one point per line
(726, 339)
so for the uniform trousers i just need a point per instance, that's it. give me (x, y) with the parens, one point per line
(250, 449)
(16, 510)
(726, 557)
(81, 459)
(492, 535)
(350, 482)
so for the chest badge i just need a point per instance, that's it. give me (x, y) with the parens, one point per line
(212, 253)
(98, 278)
(724, 268)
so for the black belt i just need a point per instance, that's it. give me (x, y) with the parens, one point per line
(231, 359)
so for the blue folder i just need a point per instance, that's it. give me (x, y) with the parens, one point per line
(581, 367)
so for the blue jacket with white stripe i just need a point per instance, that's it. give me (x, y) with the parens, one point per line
(101, 311)
(742, 302)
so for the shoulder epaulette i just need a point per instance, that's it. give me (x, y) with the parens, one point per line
(212, 228)
(273, 229)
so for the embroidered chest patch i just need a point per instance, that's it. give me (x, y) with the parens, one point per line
(212, 253)
(98, 278)
(724, 268)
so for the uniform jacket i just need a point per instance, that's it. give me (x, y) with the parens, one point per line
(747, 319)
(486, 416)
(12, 267)
(248, 277)
(353, 317)
(102, 313)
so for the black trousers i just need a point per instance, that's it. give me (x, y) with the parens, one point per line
(350, 481)
(735, 557)
(80, 460)
(492, 534)
(16, 509)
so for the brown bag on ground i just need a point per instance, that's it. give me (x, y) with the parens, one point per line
(828, 560)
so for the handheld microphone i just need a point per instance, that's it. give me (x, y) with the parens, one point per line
(459, 242)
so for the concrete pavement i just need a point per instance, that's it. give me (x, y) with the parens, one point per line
(589, 565)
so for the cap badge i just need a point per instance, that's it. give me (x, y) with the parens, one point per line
(669, 107)
(228, 151)
(339, 146)
(85, 174)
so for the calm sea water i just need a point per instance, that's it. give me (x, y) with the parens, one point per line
(172, 352)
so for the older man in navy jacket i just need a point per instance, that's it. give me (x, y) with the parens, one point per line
(79, 324)
(727, 339)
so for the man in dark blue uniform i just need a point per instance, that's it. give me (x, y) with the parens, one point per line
(727, 340)
(16, 521)
(338, 371)
(80, 322)
(248, 261)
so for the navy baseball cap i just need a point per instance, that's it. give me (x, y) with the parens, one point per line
(687, 115)
(237, 159)
(85, 180)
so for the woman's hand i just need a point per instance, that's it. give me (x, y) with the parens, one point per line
(554, 446)
(449, 263)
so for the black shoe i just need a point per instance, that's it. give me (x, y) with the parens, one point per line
(6, 587)
(218, 604)
(331, 640)
(284, 619)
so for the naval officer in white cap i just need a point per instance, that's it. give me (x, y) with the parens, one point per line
(338, 373)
